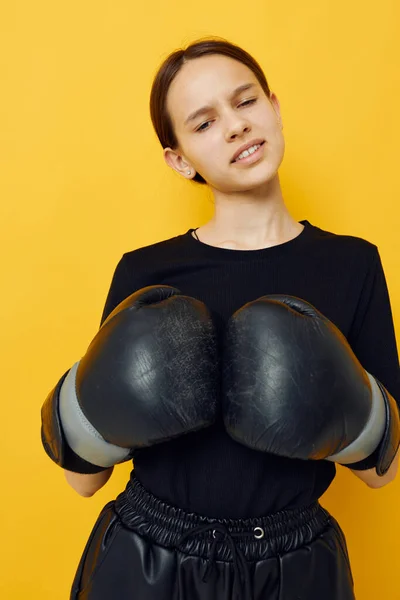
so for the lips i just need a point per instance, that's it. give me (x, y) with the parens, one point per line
(246, 147)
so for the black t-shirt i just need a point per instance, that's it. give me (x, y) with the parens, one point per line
(342, 276)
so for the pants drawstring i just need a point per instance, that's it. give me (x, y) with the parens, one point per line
(242, 581)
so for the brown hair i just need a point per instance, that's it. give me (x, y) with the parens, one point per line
(160, 117)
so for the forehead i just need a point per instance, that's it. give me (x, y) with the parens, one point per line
(205, 81)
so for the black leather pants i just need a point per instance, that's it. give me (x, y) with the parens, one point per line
(142, 548)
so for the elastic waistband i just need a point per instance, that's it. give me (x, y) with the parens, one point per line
(257, 538)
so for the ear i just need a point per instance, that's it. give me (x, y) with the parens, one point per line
(176, 162)
(276, 106)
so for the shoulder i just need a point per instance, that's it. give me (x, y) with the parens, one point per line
(163, 248)
(344, 246)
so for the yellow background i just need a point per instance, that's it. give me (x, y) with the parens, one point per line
(83, 180)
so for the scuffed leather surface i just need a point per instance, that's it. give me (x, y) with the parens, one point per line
(151, 373)
(292, 385)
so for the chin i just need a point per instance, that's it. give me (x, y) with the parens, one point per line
(262, 175)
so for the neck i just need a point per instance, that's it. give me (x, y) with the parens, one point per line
(251, 221)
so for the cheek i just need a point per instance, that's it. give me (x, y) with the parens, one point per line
(278, 145)
(208, 152)
(275, 136)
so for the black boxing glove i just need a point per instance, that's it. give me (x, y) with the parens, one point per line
(292, 386)
(150, 374)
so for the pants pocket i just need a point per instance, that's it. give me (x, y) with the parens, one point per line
(341, 539)
(96, 549)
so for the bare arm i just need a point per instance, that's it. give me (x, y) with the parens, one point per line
(87, 485)
(372, 479)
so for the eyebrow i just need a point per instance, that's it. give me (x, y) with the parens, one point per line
(205, 109)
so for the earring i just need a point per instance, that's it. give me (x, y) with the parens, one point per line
(189, 172)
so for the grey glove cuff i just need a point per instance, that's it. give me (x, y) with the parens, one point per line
(371, 435)
(80, 434)
(53, 438)
(382, 430)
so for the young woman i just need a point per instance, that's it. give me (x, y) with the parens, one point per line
(223, 501)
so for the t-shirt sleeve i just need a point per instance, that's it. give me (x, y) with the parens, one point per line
(120, 288)
(372, 339)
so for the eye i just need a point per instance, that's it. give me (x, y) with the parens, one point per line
(248, 102)
(245, 103)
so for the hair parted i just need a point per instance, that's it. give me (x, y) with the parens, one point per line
(171, 66)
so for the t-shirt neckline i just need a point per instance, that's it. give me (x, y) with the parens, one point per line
(229, 253)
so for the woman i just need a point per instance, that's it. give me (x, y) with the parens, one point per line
(212, 515)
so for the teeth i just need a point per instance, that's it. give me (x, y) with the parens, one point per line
(247, 152)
